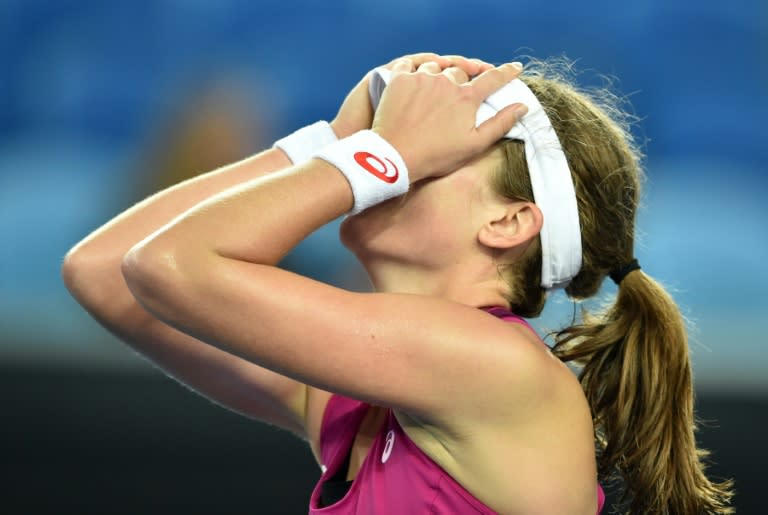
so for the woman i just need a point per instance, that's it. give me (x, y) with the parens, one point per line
(432, 393)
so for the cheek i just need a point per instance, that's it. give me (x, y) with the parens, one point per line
(429, 219)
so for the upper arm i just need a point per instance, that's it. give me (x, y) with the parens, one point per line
(423, 355)
(91, 271)
(228, 380)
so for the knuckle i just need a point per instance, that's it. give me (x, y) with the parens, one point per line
(424, 57)
(422, 78)
(398, 80)
(467, 94)
(448, 83)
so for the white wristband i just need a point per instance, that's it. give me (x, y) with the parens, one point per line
(374, 168)
(300, 145)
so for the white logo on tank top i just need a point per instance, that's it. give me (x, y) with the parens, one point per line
(388, 446)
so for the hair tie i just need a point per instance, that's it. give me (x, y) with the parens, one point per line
(620, 273)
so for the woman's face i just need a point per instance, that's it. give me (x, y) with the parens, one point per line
(434, 224)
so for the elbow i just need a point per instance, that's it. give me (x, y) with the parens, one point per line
(71, 272)
(148, 272)
(94, 281)
(81, 273)
(160, 281)
(117, 290)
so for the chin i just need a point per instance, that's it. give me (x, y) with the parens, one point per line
(348, 233)
(357, 233)
(375, 231)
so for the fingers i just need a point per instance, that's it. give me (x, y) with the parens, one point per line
(459, 69)
(406, 65)
(424, 57)
(471, 67)
(421, 58)
(496, 127)
(456, 74)
(491, 80)
(430, 67)
(482, 65)
(402, 65)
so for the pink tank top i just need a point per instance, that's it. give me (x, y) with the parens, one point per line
(396, 476)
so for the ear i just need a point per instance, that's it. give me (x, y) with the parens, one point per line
(516, 223)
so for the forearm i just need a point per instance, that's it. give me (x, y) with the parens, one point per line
(210, 273)
(92, 272)
(121, 233)
(258, 221)
(92, 268)
(200, 255)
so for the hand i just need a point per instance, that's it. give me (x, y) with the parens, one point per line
(429, 115)
(356, 113)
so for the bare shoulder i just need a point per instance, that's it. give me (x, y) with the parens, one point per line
(533, 419)
(474, 367)
(520, 373)
(529, 392)
(468, 363)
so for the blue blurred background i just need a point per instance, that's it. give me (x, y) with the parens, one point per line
(103, 103)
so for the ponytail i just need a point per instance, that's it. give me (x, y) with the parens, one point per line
(636, 371)
(637, 378)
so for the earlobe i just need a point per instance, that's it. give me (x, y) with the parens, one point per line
(519, 223)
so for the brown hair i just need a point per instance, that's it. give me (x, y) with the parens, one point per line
(636, 370)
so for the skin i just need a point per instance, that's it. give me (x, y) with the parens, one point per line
(177, 280)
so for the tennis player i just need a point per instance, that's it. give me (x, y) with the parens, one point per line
(471, 192)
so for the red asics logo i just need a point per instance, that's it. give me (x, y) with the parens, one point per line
(368, 161)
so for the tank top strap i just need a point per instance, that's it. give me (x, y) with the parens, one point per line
(506, 315)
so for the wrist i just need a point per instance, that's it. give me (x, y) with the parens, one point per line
(405, 156)
(373, 168)
(300, 145)
(339, 129)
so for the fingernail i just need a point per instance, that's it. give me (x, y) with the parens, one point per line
(517, 66)
(520, 110)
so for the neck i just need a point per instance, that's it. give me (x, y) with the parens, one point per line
(475, 286)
